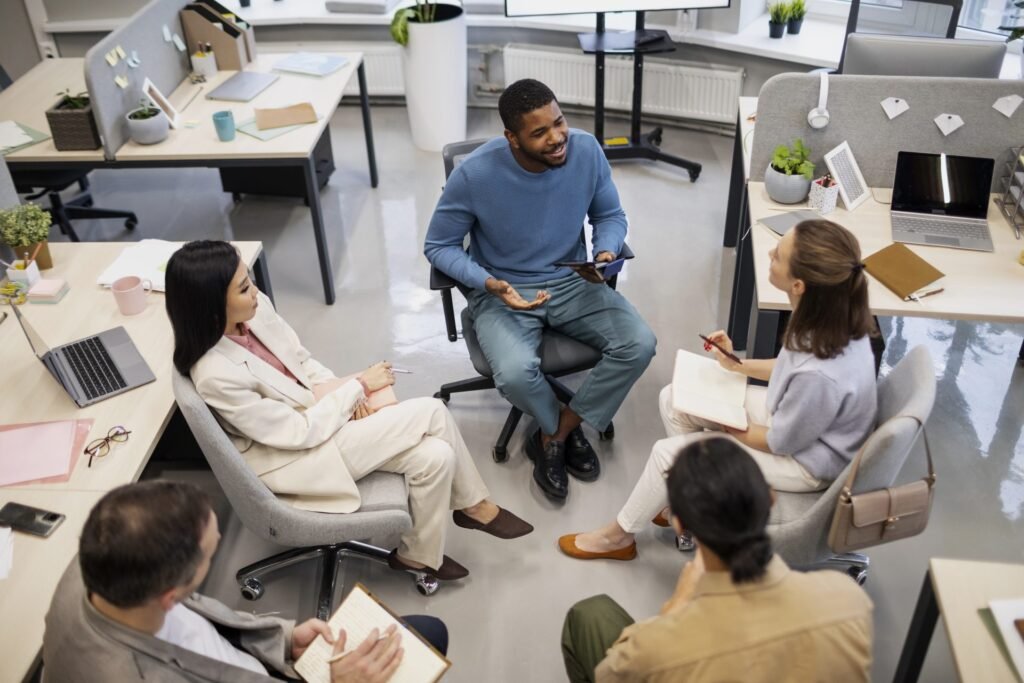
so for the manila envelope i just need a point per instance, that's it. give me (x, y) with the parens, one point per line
(285, 116)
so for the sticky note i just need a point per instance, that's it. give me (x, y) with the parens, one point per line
(178, 43)
(948, 123)
(1007, 105)
(111, 58)
(120, 52)
(167, 34)
(121, 81)
(894, 106)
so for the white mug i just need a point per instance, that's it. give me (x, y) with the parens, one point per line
(130, 294)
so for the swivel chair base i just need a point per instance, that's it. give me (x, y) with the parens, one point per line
(854, 565)
(251, 585)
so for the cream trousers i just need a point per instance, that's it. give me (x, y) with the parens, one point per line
(650, 495)
(438, 468)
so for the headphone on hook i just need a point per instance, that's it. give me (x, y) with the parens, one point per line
(818, 117)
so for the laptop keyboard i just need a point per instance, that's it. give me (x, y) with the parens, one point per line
(930, 226)
(93, 367)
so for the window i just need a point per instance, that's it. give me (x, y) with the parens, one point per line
(899, 16)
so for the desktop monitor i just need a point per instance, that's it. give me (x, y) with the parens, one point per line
(532, 8)
(887, 55)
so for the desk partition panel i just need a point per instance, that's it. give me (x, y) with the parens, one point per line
(856, 116)
(159, 60)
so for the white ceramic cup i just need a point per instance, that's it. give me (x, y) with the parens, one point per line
(130, 294)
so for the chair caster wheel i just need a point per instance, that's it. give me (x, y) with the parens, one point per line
(858, 574)
(87, 202)
(427, 585)
(252, 589)
(442, 397)
(684, 543)
(608, 434)
(131, 223)
(499, 453)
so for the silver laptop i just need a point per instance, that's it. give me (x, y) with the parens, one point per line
(242, 87)
(942, 201)
(93, 368)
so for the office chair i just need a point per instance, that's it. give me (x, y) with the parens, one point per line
(799, 522)
(384, 512)
(37, 184)
(869, 27)
(560, 355)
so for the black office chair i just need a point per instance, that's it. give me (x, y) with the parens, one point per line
(560, 355)
(37, 184)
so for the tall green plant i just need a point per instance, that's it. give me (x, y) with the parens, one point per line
(425, 12)
(795, 161)
(24, 225)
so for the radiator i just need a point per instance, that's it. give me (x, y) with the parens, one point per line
(688, 90)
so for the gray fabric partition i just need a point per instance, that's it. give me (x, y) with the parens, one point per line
(161, 62)
(856, 115)
(8, 195)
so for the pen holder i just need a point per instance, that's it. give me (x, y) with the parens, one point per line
(29, 275)
(205, 64)
(823, 199)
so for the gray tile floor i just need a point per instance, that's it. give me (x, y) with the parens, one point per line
(505, 619)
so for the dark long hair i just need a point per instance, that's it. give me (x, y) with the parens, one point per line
(198, 276)
(834, 307)
(718, 493)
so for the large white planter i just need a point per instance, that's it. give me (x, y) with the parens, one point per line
(434, 65)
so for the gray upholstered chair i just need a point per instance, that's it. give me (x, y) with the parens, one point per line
(800, 522)
(560, 355)
(329, 537)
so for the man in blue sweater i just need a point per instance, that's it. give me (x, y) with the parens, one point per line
(523, 199)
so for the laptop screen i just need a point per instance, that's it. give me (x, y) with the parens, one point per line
(942, 185)
(35, 341)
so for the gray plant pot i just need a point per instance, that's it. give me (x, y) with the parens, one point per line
(785, 189)
(148, 131)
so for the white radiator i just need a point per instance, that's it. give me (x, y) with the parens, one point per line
(688, 90)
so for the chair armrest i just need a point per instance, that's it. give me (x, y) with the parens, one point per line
(442, 282)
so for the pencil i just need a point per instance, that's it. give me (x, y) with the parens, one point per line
(731, 356)
(341, 655)
(35, 253)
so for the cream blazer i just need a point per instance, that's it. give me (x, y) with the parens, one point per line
(283, 433)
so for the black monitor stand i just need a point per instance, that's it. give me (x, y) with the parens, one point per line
(637, 43)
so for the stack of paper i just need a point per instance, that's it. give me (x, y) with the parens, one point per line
(147, 260)
(48, 291)
(11, 135)
(6, 551)
(703, 388)
(41, 450)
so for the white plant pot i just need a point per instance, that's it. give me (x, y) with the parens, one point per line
(785, 189)
(148, 131)
(434, 65)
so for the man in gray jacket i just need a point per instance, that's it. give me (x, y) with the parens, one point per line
(128, 611)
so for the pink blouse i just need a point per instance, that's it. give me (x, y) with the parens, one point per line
(249, 341)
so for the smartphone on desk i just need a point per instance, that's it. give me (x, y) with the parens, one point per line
(29, 519)
(607, 269)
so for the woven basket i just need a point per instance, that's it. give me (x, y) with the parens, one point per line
(73, 129)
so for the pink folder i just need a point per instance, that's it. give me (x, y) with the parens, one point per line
(41, 452)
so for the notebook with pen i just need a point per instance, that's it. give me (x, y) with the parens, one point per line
(702, 387)
(905, 273)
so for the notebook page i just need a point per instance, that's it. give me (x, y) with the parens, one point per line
(36, 451)
(357, 615)
(702, 387)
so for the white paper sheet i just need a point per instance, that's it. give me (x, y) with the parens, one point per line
(1007, 105)
(1005, 613)
(894, 106)
(146, 259)
(948, 123)
(11, 135)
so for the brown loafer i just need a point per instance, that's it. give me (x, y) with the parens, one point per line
(504, 525)
(450, 570)
(567, 544)
(661, 520)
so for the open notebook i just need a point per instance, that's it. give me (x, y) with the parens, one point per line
(702, 387)
(358, 614)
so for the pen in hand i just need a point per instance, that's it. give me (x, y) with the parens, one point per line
(731, 356)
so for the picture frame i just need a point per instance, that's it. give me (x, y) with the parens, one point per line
(846, 173)
(159, 101)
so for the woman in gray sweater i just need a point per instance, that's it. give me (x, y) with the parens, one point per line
(820, 403)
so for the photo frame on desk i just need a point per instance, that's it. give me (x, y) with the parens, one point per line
(846, 173)
(157, 98)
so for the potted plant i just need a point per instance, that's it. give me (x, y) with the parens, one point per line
(778, 15)
(789, 174)
(1016, 28)
(797, 12)
(25, 229)
(148, 124)
(433, 40)
(72, 124)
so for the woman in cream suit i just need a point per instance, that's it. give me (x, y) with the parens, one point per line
(308, 435)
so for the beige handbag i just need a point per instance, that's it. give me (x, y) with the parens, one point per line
(882, 515)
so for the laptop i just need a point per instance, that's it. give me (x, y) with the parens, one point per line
(941, 200)
(242, 87)
(94, 368)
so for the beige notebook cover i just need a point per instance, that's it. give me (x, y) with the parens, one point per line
(901, 270)
(285, 116)
(702, 387)
(358, 614)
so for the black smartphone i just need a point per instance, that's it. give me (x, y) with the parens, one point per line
(29, 519)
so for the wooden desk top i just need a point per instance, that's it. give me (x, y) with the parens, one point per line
(201, 142)
(962, 587)
(38, 565)
(28, 98)
(979, 285)
(89, 309)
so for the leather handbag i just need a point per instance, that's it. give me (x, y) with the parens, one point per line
(883, 515)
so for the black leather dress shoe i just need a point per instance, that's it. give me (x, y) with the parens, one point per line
(548, 466)
(580, 459)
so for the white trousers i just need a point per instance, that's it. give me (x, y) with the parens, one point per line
(650, 496)
(419, 439)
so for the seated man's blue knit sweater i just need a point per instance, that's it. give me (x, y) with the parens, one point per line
(521, 223)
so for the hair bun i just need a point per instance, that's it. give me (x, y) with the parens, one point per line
(748, 561)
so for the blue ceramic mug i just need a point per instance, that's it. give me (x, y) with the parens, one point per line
(224, 122)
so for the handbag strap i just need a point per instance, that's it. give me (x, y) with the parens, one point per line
(847, 492)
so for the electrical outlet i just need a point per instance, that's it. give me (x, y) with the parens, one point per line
(48, 50)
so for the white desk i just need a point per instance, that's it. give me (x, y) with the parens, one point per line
(86, 309)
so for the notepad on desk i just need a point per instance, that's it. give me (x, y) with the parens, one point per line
(311, 63)
(905, 273)
(41, 452)
(359, 613)
(146, 259)
(703, 388)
